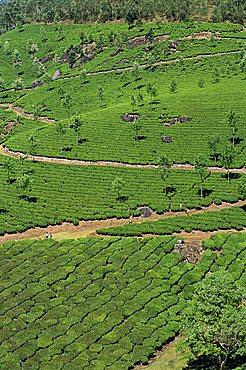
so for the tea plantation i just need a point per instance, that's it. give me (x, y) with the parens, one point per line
(99, 303)
(188, 87)
(160, 107)
(56, 193)
(232, 218)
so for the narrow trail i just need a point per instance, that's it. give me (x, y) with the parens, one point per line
(88, 228)
(162, 62)
(5, 151)
(20, 112)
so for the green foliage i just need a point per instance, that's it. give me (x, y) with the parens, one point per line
(233, 218)
(214, 322)
(15, 13)
(106, 302)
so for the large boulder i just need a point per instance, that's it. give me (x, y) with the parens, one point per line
(173, 44)
(145, 211)
(166, 139)
(36, 84)
(56, 75)
(173, 121)
(130, 117)
(47, 58)
(64, 58)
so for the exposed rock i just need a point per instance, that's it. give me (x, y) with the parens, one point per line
(162, 116)
(116, 52)
(90, 56)
(192, 252)
(36, 84)
(173, 44)
(167, 139)
(88, 48)
(123, 61)
(161, 38)
(145, 211)
(142, 40)
(56, 75)
(9, 126)
(148, 48)
(64, 58)
(129, 117)
(182, 119)
(47, 58)
(138, 41)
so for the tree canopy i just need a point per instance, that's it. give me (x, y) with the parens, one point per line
(15, 12)
(214, 323)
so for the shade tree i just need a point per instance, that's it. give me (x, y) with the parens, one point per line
(165, 165)
(213, 144)
(77, 124)
(227, 158)
(23, 184)
(201, 168)
(118, 186)
(233, 121)
(213, 324)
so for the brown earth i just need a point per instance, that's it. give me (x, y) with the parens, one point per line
(88, 228)
(20, 112)
(5, 151)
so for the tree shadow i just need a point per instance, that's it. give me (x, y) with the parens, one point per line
(126, 84)
(32, 199)
(154, 102)
(82, 141)
(237, 140)
(233, 176)
(122, 198)
(205, 192)
(170, 190)
(67, 149)
(209, 363)
(139, 87)
(139, 137)
(11, 181)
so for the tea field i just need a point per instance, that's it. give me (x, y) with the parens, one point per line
(205, 89)
(99, 303)
(142, 94)
(54, 193)
(231, 218)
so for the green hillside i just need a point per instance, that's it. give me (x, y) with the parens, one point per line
(94, 303)
(102, 124)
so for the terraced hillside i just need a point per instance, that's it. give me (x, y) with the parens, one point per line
(100, 123)
(139, 79)
(99, 303)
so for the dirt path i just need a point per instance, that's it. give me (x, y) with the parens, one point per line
(162, 62)
(88, 228)
(5, 151)
(20, 112)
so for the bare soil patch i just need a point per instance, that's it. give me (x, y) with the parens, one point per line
(20, 112)
(88, 228)
(4, 150)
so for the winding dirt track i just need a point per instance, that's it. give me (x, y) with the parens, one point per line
(21, 113)
(5, 151)
(88, 228)
(162, 62)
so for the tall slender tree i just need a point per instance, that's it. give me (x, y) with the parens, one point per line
(202, 170)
